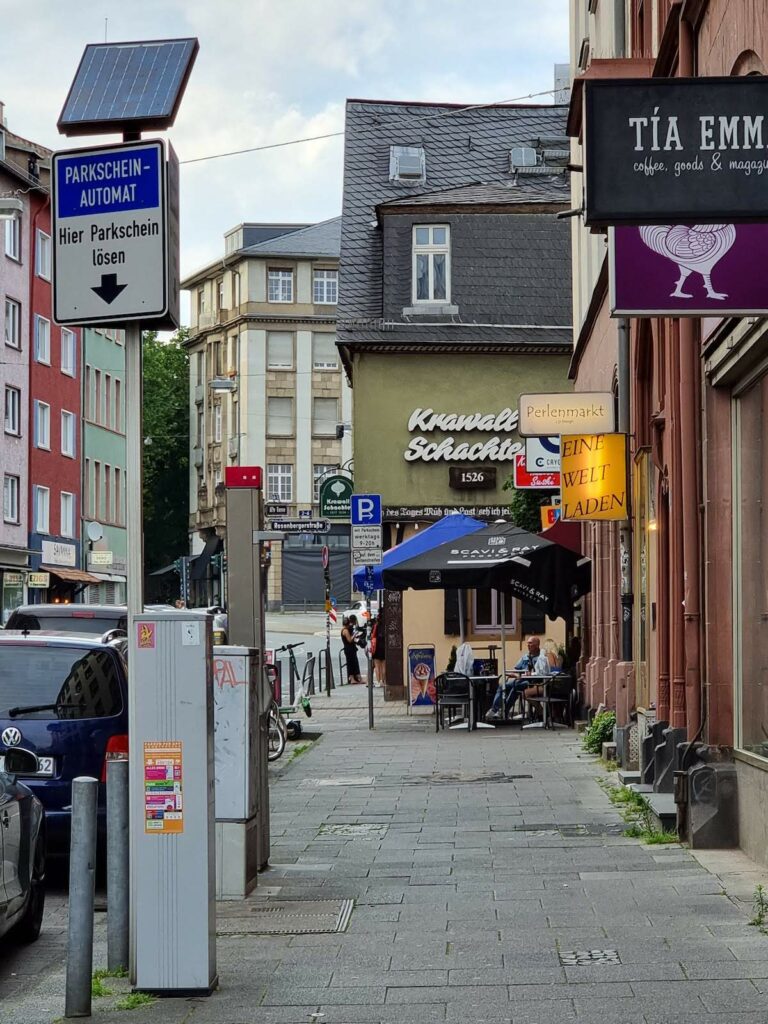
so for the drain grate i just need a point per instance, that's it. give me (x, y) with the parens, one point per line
(299, 917)
(365, 830)
(589, 957)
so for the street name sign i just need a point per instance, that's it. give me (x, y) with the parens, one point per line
(294, 526)
(111, 227)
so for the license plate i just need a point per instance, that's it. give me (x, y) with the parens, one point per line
(45, 770)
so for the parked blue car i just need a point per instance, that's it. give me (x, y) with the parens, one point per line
(64, 697)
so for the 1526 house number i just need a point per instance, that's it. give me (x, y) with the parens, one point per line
(463, 478)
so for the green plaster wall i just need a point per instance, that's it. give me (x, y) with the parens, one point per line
(388, 388)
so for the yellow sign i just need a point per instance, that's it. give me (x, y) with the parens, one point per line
(42, 580)
(593, 476)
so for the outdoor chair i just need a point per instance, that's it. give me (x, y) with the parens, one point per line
(453, 691)
(560, 702)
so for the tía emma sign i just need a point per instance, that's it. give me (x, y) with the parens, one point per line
(424, 446)
(676, 150)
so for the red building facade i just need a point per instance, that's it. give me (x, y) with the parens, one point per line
(695, 555)
(55, 426)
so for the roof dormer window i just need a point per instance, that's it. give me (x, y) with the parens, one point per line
(407, 163)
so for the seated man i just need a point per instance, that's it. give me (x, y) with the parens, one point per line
(531, 663)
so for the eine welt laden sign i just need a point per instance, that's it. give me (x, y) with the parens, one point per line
(675, 150)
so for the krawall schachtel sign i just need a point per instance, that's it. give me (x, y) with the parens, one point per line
(676, 150)
(689, 269)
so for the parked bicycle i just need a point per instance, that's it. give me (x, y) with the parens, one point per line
(280, 724)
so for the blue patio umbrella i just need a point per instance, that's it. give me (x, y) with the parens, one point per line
(445, 530)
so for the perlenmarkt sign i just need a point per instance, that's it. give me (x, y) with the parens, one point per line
(424, 446)
(591, 412)
(335, 494)
(676, 150)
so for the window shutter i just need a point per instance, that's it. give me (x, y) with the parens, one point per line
(452, 625)
(532, 619)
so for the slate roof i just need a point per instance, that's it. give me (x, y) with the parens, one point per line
(319, 241)
(463, 146)
(520, 190)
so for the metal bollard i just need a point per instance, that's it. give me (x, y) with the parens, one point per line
(329, 684)
(117, 865)
(291, 682)
(82, 883)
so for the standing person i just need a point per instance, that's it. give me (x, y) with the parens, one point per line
(378, 652)
(350, 651)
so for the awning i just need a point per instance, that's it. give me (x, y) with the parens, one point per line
(109, 577)
(164, 570)
(200, 564)
(73, 575)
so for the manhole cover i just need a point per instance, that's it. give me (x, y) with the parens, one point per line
(294, 917)
(365, 830)
(588, 957)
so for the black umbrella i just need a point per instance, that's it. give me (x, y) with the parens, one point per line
(502, 557)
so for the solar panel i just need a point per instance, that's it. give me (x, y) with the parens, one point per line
(128, 87)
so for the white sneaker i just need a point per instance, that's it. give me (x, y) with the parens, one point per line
(492, 716)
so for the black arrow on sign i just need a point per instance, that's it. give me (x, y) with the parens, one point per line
(109, 289)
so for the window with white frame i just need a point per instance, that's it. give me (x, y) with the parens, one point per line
(325, 287)
(67, 525)
(219, 294)
(12, 410)
(41, 509)
(68, 425)
(325, 355)
(13, 323)
(279, 481)
(487, 611)
(431, 263)
(42, 425)
(13, 237)
(279, 350)
(280, 417)
(280, 286)
(68, 352)
(217, 423)
(43, 255)
(325, 416)
(42, 340)
(318, 472)
(10, 498)
(236, 290)
(201, 301)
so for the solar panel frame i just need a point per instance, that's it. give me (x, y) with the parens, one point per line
(128, 87)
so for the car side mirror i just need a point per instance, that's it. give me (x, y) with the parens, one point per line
(21, 762)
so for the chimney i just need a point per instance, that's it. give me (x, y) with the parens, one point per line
(2, 114)
(562, 83)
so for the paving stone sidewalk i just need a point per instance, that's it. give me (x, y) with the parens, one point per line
(491, 883)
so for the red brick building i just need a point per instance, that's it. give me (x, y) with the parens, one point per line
(695, 555)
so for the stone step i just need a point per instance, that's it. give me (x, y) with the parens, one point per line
(627, 777)
(664, 810)
(641, 787)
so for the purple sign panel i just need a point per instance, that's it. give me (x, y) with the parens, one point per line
(689, 270)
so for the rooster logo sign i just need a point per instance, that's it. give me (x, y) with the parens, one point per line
(699, 248)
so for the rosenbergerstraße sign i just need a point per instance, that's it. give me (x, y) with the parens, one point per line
(676, 150)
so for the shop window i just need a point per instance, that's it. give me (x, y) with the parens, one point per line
(751, 592)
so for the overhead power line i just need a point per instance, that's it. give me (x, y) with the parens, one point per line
(334, 135)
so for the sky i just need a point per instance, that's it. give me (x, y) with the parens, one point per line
(270, 72)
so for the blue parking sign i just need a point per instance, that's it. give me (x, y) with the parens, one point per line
(365, 509)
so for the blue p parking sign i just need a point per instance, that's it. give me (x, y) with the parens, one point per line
(365, 509)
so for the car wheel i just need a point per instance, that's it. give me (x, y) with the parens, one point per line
(28, 928)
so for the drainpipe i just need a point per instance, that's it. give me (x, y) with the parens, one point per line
(690, 406)
(625, 535)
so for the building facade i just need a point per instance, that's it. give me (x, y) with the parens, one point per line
(55, 429)
(266, 389)
(694, 561)
(15, 183)
(454, 300)
(102, 526)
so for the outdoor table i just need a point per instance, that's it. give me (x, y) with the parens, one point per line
(475, 684)
(546, 721)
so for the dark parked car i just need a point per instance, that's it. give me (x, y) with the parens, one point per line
(65, 698)
(22, 850)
